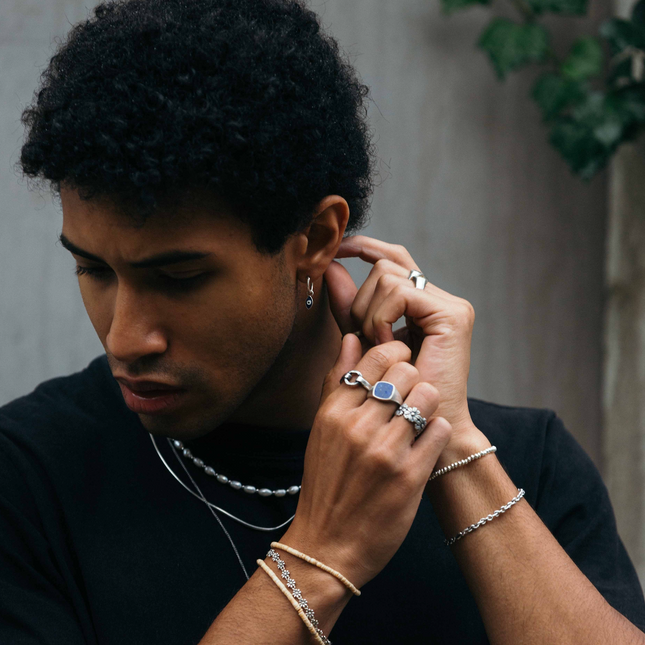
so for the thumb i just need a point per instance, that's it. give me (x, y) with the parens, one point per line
(342, 291)
(351, 352)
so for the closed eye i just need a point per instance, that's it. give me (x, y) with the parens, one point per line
(169, 281)
(94, 272)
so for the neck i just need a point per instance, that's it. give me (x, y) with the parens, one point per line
(288, 395)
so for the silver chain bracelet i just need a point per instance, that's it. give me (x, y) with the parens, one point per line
(462, 462)
(297, 594)
(485, 520)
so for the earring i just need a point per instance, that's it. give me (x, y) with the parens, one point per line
(310, 298)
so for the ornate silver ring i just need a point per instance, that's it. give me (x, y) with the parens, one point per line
(413, 415)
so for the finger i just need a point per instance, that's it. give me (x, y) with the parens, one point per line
(382, 274)
(342, 292)
(404, 377)
(373, 366)
(350, 354)
(391, 303)
(429, 446)
(425, 398)
(371, 250)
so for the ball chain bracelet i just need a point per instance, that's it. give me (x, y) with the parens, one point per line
(306, 613)
(462, 462)
(485, 520)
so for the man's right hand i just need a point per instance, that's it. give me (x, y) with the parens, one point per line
(364, 474)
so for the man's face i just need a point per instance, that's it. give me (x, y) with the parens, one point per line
(187, 303)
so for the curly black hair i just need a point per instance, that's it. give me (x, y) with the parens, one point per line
(149, 100)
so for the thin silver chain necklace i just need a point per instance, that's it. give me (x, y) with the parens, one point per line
(228, 535)
(203, 499)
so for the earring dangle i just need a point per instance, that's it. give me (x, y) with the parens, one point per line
(310, 298)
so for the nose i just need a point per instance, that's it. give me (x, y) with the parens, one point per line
(134, 330)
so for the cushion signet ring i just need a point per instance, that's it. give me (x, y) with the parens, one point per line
(418, 278)
(385, 391)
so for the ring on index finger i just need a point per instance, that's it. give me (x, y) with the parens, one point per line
(359, 380)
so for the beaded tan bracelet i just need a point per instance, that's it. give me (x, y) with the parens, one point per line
(339, 576)
(292, 600)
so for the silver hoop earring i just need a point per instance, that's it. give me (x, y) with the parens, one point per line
(310, 298)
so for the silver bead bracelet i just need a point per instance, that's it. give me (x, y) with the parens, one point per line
(236, 485)
(462, 462)
(297, 594)
(485, 520)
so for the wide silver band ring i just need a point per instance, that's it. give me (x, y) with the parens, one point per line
(413, 415)
(385, 391)
(418, 278)
(358, 380)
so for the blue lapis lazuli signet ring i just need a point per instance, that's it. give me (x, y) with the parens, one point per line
(385, 391)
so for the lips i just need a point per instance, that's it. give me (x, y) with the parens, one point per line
(149, 397)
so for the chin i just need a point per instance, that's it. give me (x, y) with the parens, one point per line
(184, 429)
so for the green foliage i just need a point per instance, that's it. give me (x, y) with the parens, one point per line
(571, 7)
(588, 116)
(510, 45)
(554, 93)
(584, 60)
(453, 5)
(622, 34)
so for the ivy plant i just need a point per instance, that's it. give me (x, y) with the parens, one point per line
(593, 99)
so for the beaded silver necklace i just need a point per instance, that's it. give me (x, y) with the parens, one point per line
(234, 484)
(203, 499)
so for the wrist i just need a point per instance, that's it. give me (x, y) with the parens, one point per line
(464, 442)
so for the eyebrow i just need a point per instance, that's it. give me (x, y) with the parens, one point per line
(159, 260)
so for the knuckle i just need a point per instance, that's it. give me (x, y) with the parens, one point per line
(387, 282)
(441, 430)
(429, 393)
(401, 289)
(468, 309)
(406, 370)
(382, 265)
(382, 460)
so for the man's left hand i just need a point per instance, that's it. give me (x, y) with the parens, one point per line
(438, 326)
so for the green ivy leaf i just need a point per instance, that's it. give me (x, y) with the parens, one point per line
(510, 45)
(622, 34)
(579, 147)
(554, 94)
(570, 7)
(584, 60)
(449, 6)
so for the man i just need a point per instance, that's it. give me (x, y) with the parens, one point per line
(211, 157)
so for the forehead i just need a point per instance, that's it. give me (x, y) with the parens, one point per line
(100, 227)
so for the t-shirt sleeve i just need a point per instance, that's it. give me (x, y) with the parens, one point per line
(35, 608)
(574, 504)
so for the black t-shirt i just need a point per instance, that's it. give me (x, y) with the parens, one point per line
(99, 544)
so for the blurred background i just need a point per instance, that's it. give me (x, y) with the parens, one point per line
(467, 182)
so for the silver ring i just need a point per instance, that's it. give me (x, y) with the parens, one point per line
(385, 391)
(347, 380)
(413, 415)
(418, 278)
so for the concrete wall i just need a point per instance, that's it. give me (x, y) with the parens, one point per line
(469, 185)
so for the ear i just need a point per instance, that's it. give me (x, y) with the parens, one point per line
(318, 244)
